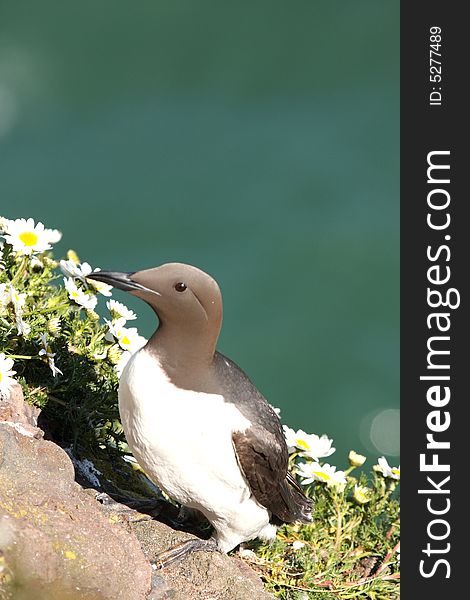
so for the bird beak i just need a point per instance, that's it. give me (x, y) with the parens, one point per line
(122, 281)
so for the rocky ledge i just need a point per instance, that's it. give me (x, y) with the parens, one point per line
(57, 542)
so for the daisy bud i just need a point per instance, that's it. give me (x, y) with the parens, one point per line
(36, 264)
(99, 355)
(361, 494)
(355, 459)
(114, 354)
(73, 256)
(53, 325)
(49, 262)
(91, 314)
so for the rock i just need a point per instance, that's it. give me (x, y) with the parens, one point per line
(18, 413)
(57, 542)
(200, 576)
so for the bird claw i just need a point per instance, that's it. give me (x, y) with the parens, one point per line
(178, 552)
(130, 506)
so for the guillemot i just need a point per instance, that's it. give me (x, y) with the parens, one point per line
(195, 422)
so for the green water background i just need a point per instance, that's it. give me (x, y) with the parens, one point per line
(257, 140)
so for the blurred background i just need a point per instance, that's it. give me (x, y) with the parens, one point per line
(257, 140)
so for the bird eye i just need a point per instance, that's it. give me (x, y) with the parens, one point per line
(180, 287)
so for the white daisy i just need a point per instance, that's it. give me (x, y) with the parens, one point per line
(49, 355)
(320, 447)
(88, 301)
(290, 436)
(298, 545)
(45, 345)
(313, 471)
(22, 327)
(119, 310)
(55, 370)
(386, 470)
(27, 238)
(127, 337)
(309, 444)
(103, 288)
(18, 300)
(70, 268)
(6, 373)
(53, 235)
(75, 270)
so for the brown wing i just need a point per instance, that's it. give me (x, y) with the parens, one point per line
(261, 449)
(263, 461)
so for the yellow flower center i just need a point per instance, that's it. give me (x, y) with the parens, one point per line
(396, 471)
(125, 340)
(322, 475)
(29, 238)
(1, 376)
(302, 444)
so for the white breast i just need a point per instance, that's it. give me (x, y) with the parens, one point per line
(181, 438)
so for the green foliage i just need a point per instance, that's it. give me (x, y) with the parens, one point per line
(348, 551)
(79, 404)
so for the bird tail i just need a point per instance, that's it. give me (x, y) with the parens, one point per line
(299, 507)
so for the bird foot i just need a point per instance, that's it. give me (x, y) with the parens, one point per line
(130, 506)
(178, 552)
